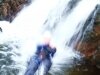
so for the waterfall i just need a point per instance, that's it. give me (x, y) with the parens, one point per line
(87, 26)
(59, 18)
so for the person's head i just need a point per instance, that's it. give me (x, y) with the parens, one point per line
(46, 38)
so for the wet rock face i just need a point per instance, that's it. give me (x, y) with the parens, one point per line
(90, 44)
(9, 8)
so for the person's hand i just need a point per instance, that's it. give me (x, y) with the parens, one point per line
(42, 55)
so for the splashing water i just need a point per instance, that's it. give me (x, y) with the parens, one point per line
(32, 23)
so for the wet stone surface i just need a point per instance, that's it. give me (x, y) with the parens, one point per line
(10, 8)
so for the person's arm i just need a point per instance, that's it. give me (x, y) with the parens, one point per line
(39, 47)
(53, 51)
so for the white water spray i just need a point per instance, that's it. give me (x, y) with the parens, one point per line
(28, 28)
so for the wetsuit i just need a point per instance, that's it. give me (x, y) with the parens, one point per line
(43, 54)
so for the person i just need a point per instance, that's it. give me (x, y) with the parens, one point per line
(43, 54)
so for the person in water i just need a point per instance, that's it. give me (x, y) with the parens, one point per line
(44, 54)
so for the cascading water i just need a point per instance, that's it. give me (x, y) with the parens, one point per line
(45, 17)
(88, 26)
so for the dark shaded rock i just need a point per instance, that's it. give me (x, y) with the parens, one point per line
(88, 42)
(10, 8)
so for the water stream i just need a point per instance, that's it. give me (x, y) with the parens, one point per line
(55, 18)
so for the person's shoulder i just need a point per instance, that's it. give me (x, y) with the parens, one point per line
(54, 49)
(40, 45)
